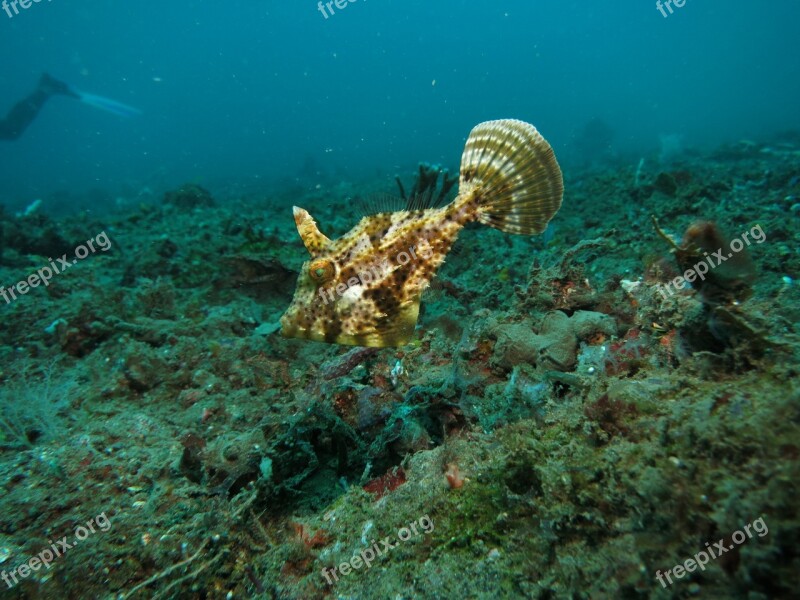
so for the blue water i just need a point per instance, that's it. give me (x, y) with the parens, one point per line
(250, 91)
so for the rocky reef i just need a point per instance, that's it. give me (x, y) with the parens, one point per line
(568, 422)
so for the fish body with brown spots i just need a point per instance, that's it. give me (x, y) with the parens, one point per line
(364, 288)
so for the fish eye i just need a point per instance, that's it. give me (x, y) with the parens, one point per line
(321, 270)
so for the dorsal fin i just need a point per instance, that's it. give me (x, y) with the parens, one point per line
(423, 201)
(314, 241)
(374, 204)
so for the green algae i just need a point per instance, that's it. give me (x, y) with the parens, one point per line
(668, 425)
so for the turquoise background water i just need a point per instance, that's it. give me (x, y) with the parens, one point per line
(251, 91)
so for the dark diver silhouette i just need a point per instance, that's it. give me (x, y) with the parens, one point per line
(23, 113)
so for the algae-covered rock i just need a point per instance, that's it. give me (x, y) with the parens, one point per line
(35, 234)
(142, 367)
(555, 347)
(189, 196)
(515, 345)
(558, 344)
(666, 184)
(586, 324)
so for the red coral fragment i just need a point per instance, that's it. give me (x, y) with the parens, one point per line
(390, 481)
(454, 477)
(626, 356)
(296, 568)
(611, 415)
(342, 365)
(319, 539)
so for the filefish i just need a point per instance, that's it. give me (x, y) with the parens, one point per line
(364, 289)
